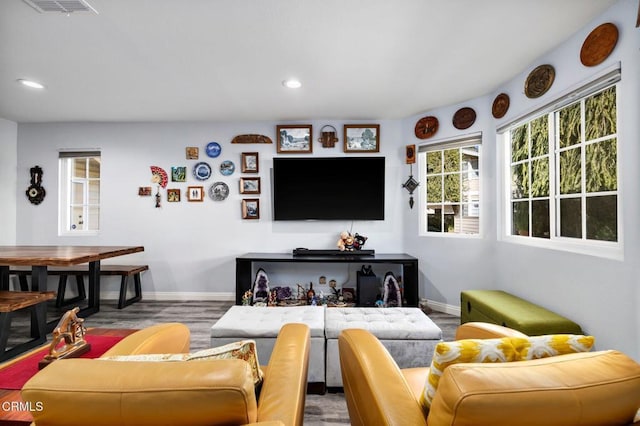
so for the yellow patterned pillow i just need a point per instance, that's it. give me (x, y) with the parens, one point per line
(535, 347)
(468, 350)
(505, 349)
(243, 349)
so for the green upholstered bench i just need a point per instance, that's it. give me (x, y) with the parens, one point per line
(502, 308)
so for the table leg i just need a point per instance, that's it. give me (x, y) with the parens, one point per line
(94, 288)
(38, 283)
(4, 278)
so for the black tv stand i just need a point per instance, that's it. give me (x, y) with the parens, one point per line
(309, 252)
(245, 272)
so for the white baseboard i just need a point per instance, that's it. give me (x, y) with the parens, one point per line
(170, 295)
(442, 307)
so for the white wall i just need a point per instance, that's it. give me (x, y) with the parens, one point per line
(8, 177)
(601, 295)
(189, 246)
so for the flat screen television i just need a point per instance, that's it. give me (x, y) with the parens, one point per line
(328, 188)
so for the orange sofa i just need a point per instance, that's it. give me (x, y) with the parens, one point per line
(589, 388)
(211, 392)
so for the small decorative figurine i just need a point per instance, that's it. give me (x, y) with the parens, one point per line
(392, 296)
(261, 287)
(246, 298)
(71, 330)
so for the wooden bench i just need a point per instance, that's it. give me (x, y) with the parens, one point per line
(502, 308)
(12, 301)
(79, 271)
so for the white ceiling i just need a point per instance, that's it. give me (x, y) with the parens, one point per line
(225, 60)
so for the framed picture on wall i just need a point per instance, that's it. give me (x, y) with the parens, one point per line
(195, 193)
(251, 208)
(362, 138)
(178, 174)
(192, 153)
(294, 139)
(249, 162)
(173, 195)
(250, 185)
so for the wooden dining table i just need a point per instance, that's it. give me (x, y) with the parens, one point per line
(39, 258)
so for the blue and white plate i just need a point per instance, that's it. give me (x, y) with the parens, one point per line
(202, 171)
(227, 168)
(213, 149)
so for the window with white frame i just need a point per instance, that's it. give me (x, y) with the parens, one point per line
(79, 192)
(562, 173)
(451, 174)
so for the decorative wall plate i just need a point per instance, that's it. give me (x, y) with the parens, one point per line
(213, 149)
(219, 191)
(539, 81)
(227, 168)
(464, 118)
(426, 127)
(599, 44)
(500, 105)
(202, 171)
(251, 139)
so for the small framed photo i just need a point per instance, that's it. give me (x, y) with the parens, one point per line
(250, 185)
(144, 191)
(195, 193)
(294, 139)
(362, 138)
(251, 208)
(173, 195)
(192, 153)
(348, 294)
(410, 154)
(178, 174)
(249, 162)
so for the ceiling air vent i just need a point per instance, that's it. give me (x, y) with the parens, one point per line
(64, 6)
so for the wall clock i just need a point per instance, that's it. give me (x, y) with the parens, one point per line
(426, 127)
(35, 192)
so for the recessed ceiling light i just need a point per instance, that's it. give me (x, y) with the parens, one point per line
(31, 83)
(292, 84)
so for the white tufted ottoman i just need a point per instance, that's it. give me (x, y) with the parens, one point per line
(407, 333)
(263, 324)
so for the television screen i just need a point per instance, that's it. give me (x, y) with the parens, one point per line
(328, 188)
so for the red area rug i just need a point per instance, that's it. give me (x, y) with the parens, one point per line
(14, 376)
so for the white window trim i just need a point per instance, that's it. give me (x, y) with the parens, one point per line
(65, 196)
(452, 142)
(604, 249)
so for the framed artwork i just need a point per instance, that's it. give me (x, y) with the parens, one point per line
(294, 139)
(178, 174)
(195, 193)
(249, 162)
(173, 195)
(251, 208)
(192, 153)
(250, 185)
(410, 154)
(144, 191)
(348, 294)
(362, 138)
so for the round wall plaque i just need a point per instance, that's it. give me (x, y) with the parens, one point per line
(599, 44)
(500, 105)
(539, 81)
(426, 127)
(464, 118)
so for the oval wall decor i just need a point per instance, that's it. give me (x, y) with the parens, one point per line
(539, 81)
(426, 127)
(464, 118)
(599, 44)
(500, 105)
